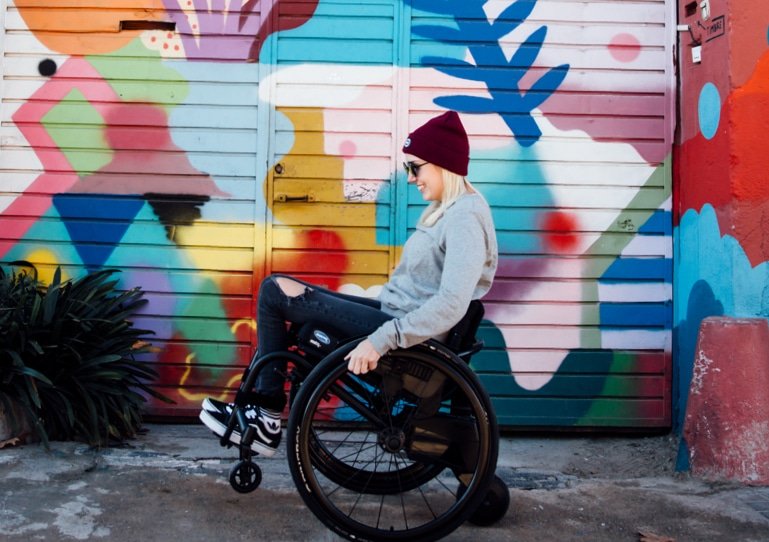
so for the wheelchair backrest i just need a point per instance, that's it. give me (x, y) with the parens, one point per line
(461, 337)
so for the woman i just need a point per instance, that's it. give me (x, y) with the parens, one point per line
(449, 260)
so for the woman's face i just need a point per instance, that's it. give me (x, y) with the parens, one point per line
(427, 176)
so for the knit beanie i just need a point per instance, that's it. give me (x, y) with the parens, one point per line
(441, 141)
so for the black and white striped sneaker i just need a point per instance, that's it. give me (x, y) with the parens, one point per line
(266, 423)
(214, 405)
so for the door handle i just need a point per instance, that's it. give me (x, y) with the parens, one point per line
(285, 198)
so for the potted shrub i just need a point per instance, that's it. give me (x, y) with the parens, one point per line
(68, 356)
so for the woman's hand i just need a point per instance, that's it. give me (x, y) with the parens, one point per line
(363, 358)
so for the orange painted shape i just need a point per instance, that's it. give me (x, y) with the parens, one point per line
(749, 121)
(76, 27)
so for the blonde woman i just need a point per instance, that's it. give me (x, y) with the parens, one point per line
(447, 262)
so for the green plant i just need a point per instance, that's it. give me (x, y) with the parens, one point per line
(68, 355)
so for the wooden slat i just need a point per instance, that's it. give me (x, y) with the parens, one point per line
(490, 361)
(636, 413)
(575, 386)
(295, 261)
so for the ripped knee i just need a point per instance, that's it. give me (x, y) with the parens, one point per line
(290, 287)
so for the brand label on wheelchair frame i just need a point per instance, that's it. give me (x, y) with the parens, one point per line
(322, 337)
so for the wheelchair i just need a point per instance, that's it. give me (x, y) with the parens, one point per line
(405, 452)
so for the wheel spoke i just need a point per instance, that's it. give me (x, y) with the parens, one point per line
(393, 459)
(379, 515)
(355, 474)
(403, 507)
(427, 503)
(357, 454)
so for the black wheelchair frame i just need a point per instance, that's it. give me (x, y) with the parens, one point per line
(373, 456)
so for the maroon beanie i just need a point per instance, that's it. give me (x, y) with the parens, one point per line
(441, 141)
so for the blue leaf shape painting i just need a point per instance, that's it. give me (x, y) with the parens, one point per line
(500, 75)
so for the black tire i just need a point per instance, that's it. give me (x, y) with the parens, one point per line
(494, 506)
(245, 476)
(384, 464)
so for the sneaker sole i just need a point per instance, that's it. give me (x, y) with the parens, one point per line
(208, 405)
(219, 428)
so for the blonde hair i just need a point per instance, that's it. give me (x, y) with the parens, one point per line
(454, 186)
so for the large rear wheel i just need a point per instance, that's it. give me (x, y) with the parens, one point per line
(378, 457)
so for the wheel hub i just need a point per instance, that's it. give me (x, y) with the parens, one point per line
(392, 439)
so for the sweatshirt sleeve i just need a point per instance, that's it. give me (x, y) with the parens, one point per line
(464, 261)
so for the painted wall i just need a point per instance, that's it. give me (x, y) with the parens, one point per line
(223, 140)
(722, 203)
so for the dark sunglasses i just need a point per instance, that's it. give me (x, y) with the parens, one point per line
(412, 168)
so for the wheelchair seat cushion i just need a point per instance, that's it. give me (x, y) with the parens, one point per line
(320, 339)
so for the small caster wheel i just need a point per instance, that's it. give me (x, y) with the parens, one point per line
(245, 476)
(493, 507)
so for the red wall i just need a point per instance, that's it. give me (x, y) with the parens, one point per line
(727, 169)
(721, 174)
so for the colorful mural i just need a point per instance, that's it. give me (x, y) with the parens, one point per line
(199, 144)
(723, 201)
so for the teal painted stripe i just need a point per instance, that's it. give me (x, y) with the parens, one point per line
(337, 51)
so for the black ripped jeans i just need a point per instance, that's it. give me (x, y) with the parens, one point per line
(347, 315)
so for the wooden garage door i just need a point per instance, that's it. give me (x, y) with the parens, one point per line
(569, 106)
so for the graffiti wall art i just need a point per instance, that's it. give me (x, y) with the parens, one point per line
(197, 145)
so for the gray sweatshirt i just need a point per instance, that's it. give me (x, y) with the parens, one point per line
(443, 267)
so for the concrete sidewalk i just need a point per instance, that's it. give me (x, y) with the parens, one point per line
(171, 483)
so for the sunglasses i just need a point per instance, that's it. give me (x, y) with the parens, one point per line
(412, 168)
